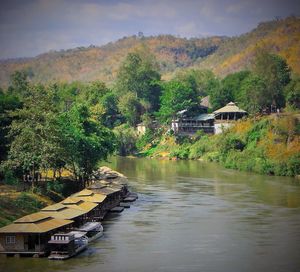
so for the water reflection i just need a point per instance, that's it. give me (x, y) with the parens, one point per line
(193, 216)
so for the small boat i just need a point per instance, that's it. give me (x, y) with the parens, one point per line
(93, 230)
(66, 245)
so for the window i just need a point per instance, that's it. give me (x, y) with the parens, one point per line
(10, 239)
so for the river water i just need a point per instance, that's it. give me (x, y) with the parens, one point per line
(192, 216)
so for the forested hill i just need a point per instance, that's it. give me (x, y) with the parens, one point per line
(101, 63)
(280, 37)
(222, 55)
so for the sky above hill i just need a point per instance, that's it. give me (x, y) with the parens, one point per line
(31, 27)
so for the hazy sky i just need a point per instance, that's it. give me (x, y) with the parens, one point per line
(31, 27)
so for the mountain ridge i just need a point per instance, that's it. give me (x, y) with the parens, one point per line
(222, 54)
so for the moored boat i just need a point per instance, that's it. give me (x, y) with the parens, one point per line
(93, 230)
(67, 245)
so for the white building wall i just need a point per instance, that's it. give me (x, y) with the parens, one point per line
(219, 128)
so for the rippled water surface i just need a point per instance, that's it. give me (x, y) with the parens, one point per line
(192, 216)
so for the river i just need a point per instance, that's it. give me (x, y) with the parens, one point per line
(192, 216)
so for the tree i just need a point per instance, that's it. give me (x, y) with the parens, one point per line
(94, 91)
(220, 96)
(139, 75)
(7, 103)
(252, 97)
(292, 93)
(232, 83)
(131, 108)
(202, 81)
(19, 84)
(111, 117)
(275, 72)
(85, 142)
(126, 139)
(34, 134)
(176, 96)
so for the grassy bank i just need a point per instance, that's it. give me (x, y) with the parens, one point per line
(18, 199)
(15, 204)
(265, 145)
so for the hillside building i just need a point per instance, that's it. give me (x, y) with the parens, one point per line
(226, 116)
(188, 122)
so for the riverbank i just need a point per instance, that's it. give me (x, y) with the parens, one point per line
(19, 200)
(15, 204)
(265, 145)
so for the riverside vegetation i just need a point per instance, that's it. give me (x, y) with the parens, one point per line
(265, 145)
(61, 126)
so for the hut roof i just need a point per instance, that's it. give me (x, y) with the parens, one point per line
(79, 204)
(70, 200)
(63, 212)
(35, 224)
(32, 218)
(230, 107)
(204, 117)
(205, 102)
(106, 190)
(84, 192)
(54, 207)
(89, 196)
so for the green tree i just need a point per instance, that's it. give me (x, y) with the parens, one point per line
(94, 91)
(126, 139)
(131, 108)
(139, 75)
(219, 96)
(7, 103)
(34, 133)
(232, 83)
(19, 85)
(292, 93)
(274, 70)
(85, 142)
(176, 96)
(252, 97)
(111, 116)
(202, 81)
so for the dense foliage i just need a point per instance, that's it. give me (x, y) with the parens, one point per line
(268, 145)
(55, 127)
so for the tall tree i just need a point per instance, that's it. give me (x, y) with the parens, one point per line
(19, 85)
(34, 133)
(7, 103)
(232, 83)
(176, 96)
(292, 92)
(220, 96)
(131, 108)
(252, 97)
(139, 75)
(274, 70)
(202, 81)
(85, 142)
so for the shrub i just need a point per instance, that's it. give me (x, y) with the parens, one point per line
(10, 178)
(181, 152)
(26, 201)
(200, 147)
(149, 137)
